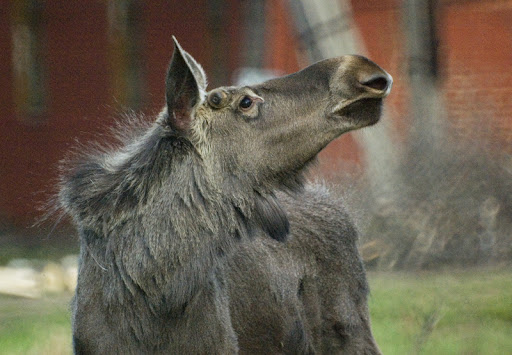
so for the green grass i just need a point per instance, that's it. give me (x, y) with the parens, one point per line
(463, 312)
(466, 312)
(39, 327)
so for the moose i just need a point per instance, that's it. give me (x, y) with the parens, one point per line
(199, 233)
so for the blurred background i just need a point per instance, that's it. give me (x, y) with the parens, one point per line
(429, 186)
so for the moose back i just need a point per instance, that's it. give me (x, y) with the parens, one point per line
(198, 233)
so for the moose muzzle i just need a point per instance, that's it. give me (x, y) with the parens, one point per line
(357, 89)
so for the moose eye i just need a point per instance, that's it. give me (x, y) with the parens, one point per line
(246, 103)
(217, 98)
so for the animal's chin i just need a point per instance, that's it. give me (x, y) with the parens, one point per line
(362, 113)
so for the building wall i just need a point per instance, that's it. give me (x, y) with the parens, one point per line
(81, 99)
(82, 102)
(474, 58)
(475, 61)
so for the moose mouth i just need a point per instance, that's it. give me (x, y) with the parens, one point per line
(361, 113)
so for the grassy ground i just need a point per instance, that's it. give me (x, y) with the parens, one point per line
(38, 327)
(467, 312)
(464, 312)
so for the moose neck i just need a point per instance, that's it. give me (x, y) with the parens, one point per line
(157, 193)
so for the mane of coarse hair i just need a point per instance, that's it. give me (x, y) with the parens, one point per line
(106, 184)
(127, 127)
(93, 171)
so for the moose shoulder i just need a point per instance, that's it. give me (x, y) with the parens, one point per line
(198, 234)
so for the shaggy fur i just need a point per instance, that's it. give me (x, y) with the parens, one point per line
(197, 236)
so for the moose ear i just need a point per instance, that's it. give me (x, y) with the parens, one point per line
(185, 88)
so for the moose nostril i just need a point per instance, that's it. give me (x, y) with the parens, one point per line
(377, 82)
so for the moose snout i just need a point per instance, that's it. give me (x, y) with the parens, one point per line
(358, 88)
(371, 81)
(378, 83)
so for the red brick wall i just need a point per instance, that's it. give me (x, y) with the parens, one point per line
(476, 47)
(475, 57)
(77, 89)
(6, 105)
(80, 101)
(476, 62)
